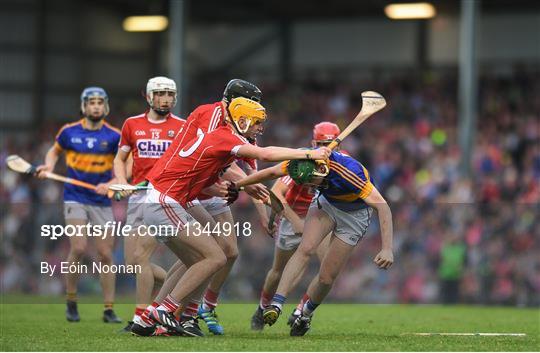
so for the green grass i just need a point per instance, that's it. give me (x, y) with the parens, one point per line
(336, 327)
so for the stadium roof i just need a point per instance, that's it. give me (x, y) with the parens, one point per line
(244, 11)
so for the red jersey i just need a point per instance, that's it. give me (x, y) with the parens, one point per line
(298, 196)
(205, 118)
(148, 140)
(184, 170)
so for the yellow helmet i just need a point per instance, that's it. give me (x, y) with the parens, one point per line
(252, 111)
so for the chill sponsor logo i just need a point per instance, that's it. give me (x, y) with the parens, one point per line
(149, 148)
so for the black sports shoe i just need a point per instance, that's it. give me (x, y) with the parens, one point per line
(257, 321)
(166, 319)
(72, 314)
(127, 328)
(271, 314)
(143, 331)
(110, 317)
(301, 325)
(191, 327)
(292, 318)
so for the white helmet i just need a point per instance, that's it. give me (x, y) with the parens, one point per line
(159, 84)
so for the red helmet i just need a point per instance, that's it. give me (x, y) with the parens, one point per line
(325, 131)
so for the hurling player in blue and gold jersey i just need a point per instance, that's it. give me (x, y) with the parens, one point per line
(343, 206)
(89, 145)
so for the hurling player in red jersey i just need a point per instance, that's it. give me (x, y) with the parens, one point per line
(296, 199)
(145, 137)
(204, 119)
(180, 176)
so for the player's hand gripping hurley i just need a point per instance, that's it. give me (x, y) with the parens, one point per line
(372, 102)
(19, 165)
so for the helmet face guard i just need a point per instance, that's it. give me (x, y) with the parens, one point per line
(304, 171)
(245, 109)
(160, 84)
(94, 92)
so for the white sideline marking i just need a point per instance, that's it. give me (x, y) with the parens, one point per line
(466, 334)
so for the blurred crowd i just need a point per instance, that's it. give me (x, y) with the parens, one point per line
(456, 238)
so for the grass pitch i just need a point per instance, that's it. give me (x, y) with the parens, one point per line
(336, 327)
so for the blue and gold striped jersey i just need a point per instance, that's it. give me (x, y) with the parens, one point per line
(348, 183)
(89, 157)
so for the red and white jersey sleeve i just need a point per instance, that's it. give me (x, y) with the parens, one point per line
(184, 171)
(148, 140)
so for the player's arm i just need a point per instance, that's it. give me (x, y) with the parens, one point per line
(121, 165)
(385, 257)
(234, 173)
(263, 175)
(278, 154)
(280, 190)
(129, 167)
(51, 158)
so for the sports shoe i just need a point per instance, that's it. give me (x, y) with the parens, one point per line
(211, 320)
(167, 319)
(271, 314)
(257, 321)
(72, 314)
(191, 327)
(301, 325)
(145, 328)
(294, 315)
(127, 328)
(138, 329)
(110, 317)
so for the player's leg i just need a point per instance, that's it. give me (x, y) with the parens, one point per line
(185, 235)
(321, 251)
(335, 259)
(270, 285)
(350, 228)
(75, 216)
(317, 225)
(197, 274)
(104, 247)
(138, 249)
(229, 244)
(212, 260)
(286, 243)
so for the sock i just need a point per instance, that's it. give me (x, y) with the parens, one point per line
(300, 305)
(169, 304)
(138, 312)
(265, 299)
(190, 311)
(155, 304)
(71, 296)
(278, 301)
(210, 300)
(107, 306)
(309, 308)
(145, 319)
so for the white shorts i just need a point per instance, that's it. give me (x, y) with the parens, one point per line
(287, 239)
(95, 215)
(215, 205)
(163, 216)
(135, 209)
(350, 227)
